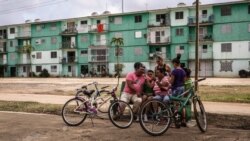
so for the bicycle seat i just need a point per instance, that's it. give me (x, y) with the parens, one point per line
(88, 92)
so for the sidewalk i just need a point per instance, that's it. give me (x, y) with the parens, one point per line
(210, 107)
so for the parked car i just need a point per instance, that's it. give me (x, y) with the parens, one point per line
(244, 73)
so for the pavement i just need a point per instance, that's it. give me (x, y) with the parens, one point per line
(210, 107)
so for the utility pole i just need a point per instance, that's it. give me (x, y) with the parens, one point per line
(197, 46)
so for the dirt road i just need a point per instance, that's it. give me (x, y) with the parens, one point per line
(33, 127)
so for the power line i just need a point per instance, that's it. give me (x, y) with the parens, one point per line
(43, 4)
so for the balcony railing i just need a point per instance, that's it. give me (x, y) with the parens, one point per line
(24, 34)
(154, 23)
(202, 38)
(98, 55)
(161, 41)
(203, 20)
(70, 31)
(24, 48)
(71, 59)
(3, 61)
(68, 45)
(98, 28)
(202, 55)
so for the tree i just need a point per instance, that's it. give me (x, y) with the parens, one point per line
(118, 42)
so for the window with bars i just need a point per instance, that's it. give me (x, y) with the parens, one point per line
(161, 18)
(12, 30)
(38, 68)
(204, 49)
(53, 54)
(179, 32)
(138, 18)
(53, 40)
(84, 52)
(52, 26)
(226, 10)
(53, 68)
(179, 15)
(38, 55)
(226, 47)
(157, 36)
(85, 22)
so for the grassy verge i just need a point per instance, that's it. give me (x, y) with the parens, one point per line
(238, 94)
(222, 121)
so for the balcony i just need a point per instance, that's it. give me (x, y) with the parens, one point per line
(68, 45)
(69, 60)
(202, 38)
(98, 28)
(159, 41)
(3, 61)
(154, 23)
(203, 55)
(24, 48)
(203, 20)
(23, 35)
(3, 36)
(69, 32)
(3, 50)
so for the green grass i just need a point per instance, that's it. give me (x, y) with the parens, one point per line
(237, 94)
(32, 107)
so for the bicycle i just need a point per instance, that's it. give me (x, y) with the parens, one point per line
(86, 103)
(161, 115)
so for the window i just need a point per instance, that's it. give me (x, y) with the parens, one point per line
(11, 43)
(226, 28)
(138, 34)
(248, 9)
(226, 66)
(12, 30)
(42, 41)
(161, 18)
(85, 22)
(53, 54)
(248, 27)
(53, 26)
(84, 52)
(53, 68)
(204, 49)
(157, 36)
(179, 49)
(39, 27)
(226, 47)
(179, 32)
(204, 13)
(98, 21)
(118, 20)
(248, 46)
(84, 38)
(24, 68)
(138, 19)
(178, 15)
(38, 68)
(182, 48)
(138, 51)
(53, 40)
(119, 52)
(38, 55)
(118, 35)
(69, 68)
(226, 11)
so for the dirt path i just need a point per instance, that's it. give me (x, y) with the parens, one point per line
(40, 127)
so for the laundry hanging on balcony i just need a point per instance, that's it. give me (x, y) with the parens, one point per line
(100, 28)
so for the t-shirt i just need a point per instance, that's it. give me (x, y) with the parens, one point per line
(188, 84)
(136, 81)
(146, 89)
(158, 90)
(179, 75)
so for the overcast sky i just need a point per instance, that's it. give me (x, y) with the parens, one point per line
(17, 11)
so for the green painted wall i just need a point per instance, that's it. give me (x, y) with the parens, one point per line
(239, 32)
(83, 40)
(46, 30)
(128, 22)
(48, 45)
(239, 12)
(179, 39)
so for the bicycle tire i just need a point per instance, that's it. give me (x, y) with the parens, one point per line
(200, 115)
(121, 117)
(155, 117)
(71, 107)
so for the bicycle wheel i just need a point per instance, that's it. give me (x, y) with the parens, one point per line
(74, 112)
(200, 115)
(120, 114)
(158, 117)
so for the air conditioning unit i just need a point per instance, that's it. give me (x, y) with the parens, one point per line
(38, 41)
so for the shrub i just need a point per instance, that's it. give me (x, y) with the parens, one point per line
(44, 73)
